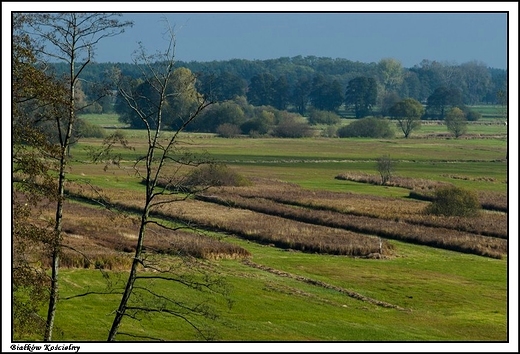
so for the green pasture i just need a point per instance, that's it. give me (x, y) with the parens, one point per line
(490, 111)
(110, 120)
(447, 296)
(314, 162)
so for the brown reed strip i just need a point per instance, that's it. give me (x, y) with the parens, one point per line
(397, 209)
(430, 236)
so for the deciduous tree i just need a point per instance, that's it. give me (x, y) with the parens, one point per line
(70, 38)
(161, 188)
(361, 94)
(300, 94)
(441, 100)
(262, 90)
(36, 96)
(326, 94)
(408, 114)
(385, 167)
(456, 122)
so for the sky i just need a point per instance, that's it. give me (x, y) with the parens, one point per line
(364, 37)
(347, 30)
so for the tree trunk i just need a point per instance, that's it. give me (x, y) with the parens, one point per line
(53, 299)
(65, 144)
(120, 312)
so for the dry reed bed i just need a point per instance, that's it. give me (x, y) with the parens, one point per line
(276, 231)
(409, 211)
(424, 235)
(423, 189)
(283, 233)
(98, 238)
(258, 227)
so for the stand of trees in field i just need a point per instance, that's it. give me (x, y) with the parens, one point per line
(272, 96)
(299, 82)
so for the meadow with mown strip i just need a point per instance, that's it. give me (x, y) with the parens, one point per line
(307, 256)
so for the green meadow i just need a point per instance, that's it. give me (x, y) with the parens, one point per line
(439, 295)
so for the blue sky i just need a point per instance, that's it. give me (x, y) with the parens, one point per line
(365, 37)
(408, 32)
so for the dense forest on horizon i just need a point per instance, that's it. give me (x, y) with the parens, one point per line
(474, 80)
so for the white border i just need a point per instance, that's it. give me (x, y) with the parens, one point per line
(512, 7)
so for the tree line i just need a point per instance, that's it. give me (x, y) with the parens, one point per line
(300, 82)
(267, 106)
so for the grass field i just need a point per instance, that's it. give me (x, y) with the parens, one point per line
(283, 292)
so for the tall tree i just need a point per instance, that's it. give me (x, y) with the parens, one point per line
(222, 87)
(160, 189)
(475, 81)
(300, 94)
(442, 99)
(70, 38)
(391, 74)
(281, 93)
(326, 94)
(408, 114)
(362, 95)
(36, 98)
(387, 101)
(261, 90)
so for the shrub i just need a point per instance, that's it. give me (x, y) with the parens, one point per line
(385, 167)
(367, 128)
(330, 131)
(215, 174)
(216, 115)
(85, 129)
(473, 116)
(228, 130)
(323, 117)
(456, 122)
(292, 129)
(454, 201)
(255, 127)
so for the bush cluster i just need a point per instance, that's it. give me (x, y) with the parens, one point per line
(454, 201)
(215, 175)
(85, 129)
(323, 117)
(367, 128)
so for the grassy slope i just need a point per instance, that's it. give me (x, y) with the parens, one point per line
(448, 296)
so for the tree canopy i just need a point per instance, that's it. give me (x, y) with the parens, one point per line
(408, 114)
(291, 80)
(361, 95)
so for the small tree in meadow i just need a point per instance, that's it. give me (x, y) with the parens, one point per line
(408, 114)
(456, 122)
(385, 167)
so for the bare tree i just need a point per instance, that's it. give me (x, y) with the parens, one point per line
(385, 167)
(70, 38)
(162, 157)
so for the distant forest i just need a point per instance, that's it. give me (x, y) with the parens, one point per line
(299, 82)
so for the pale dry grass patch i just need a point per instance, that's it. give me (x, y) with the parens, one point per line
(388, 208)
(269, 229)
